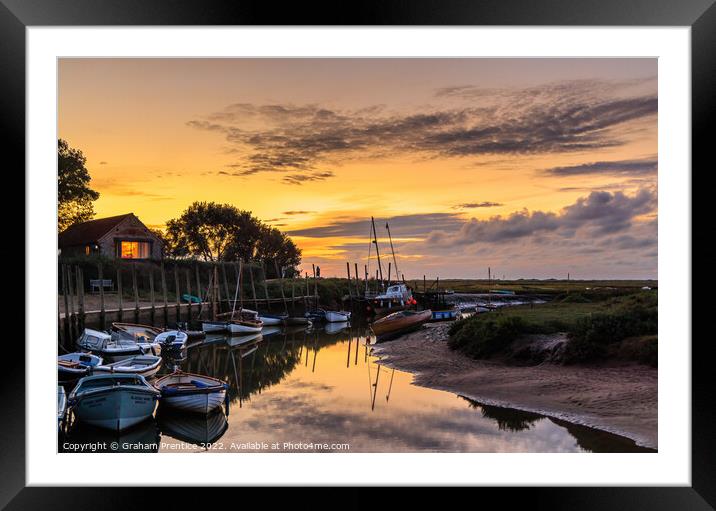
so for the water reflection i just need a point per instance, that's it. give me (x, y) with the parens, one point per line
(315, 389)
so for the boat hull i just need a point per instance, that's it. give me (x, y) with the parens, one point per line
(399, 323)
(214, 327)
(115, 408)
(272, 320)
(203, 403)
(337, 317)
(243, 329)
(445, 315)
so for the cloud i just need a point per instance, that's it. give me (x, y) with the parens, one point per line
(404, 226)
(300, 140)
(473, 205)
(636, 168)
(103, 163)
(299, 179)
(297, 212)
(599, 213)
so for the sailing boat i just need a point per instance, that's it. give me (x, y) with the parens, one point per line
(397, 296)
(244, 323)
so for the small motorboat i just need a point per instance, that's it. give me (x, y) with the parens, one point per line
(399, 323)
(192, 428)
(193, 335)
(245, 326)
(61, 405)
(113, 401)
(191, 392)
(337, 316)
(102, 344)
(273, 319)
(73, 366)
(144, 365)
(214, 326)
(143, 335)
(172, 339)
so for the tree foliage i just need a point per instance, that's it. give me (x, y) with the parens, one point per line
(222, 232)
(74, 196)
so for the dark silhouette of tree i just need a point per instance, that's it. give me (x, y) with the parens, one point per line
(74, 196)
(222, 232)
(273, 245)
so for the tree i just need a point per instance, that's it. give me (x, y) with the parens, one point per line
(222, 232)
(276, 246)
(74, 196)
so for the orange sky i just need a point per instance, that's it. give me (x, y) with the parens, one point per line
(315, 145)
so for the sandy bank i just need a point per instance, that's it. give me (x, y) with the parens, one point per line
(618, 399)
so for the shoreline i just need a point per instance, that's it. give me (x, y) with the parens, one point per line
(620, 399)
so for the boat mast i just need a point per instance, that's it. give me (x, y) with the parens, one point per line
(395, 263)
(377, 251)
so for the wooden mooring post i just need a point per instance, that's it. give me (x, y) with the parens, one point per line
(268, 301)
(65, 321)
(357, 280)
(188, 291)
(280, 283)
(253, 287)
(120, 314)
(152, 311)
(164, 294)
(73, 316)
(81, 298)
(102, 312)
(135, 289)
(178, 292)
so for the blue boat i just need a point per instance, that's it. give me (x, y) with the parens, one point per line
(445, 315)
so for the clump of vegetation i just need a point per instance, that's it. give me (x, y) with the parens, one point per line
(620, 326)
(595, 336)
(482, 339)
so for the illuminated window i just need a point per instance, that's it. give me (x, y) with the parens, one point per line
(87, 250)
(134, 250)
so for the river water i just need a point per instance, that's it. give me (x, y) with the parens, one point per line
(301, 390)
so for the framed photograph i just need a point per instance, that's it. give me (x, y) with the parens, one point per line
(420, 246)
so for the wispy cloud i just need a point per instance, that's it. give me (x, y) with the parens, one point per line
(300, 140)
(640, 167)
(474, 205)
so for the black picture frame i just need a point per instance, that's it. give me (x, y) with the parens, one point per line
(700, 15)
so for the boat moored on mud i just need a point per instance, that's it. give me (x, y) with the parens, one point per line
(399, 323)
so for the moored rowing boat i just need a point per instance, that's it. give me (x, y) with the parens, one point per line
(399, 323)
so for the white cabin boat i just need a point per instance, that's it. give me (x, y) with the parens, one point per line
(111, 350)
(113, 401)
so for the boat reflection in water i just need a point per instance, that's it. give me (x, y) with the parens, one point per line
(143, 437)
(301, 384)
(193, 428)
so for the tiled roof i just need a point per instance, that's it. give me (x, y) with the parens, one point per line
(89, 232)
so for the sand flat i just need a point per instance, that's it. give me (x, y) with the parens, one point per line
(621, 399)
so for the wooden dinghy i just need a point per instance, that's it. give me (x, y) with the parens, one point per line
(399, 323)
(143, 335)
(273, 319)
(74, 366)
(144, 365)
(113, 401)
(245, 326)
(191, 392)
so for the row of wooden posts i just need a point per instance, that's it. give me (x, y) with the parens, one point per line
(72, 322)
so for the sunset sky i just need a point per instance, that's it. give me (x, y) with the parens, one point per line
(534, 167)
